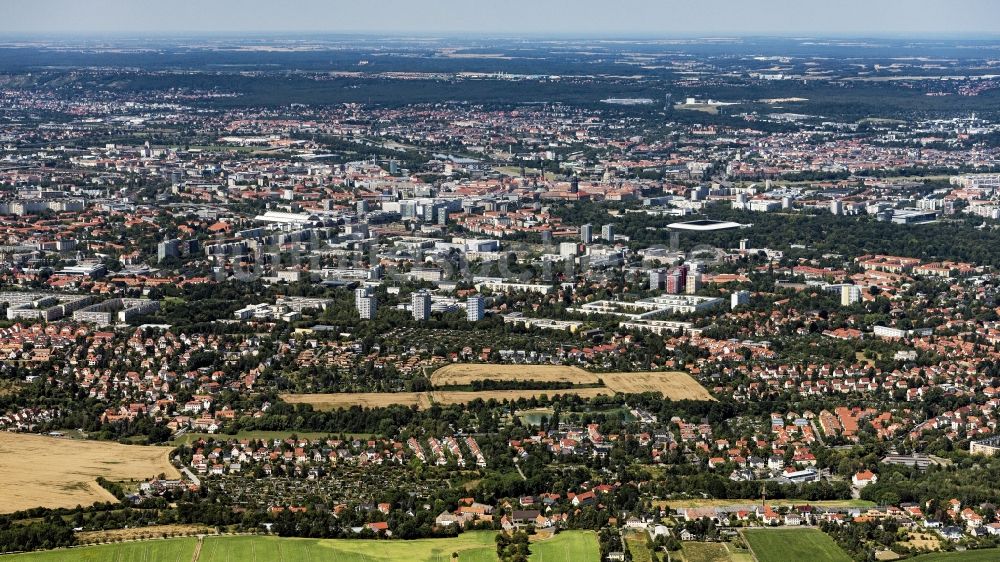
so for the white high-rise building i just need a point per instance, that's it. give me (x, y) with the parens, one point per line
(608, 232)
(739, 298)
(360, 293)
(420, 303)
(693, 283)
(475, 308)
(367, 307)
(657, 279)
(587, 233)
(849, 294)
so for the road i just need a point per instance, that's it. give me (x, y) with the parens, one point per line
(190, 475)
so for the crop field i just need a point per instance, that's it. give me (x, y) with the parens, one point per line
(40, 471)
(460, 374)
(674, 385)
(778, 545)
(335, 400)
(475, 546)
(170, 550)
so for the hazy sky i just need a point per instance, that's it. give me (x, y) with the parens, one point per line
(589, 17)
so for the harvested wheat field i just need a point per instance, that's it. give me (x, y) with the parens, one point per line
(335, 400)
(40, 471)
(457, 397)
(460, 374)
(673, 384)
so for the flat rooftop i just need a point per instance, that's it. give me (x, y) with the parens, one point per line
(705, 225)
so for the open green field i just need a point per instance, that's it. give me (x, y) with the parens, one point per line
(567, 546)
(477, 546)
(472, 547)
(170, 550)
(984, 555)
(779, 545)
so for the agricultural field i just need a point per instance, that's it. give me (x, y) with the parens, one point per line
(461, 374)
(335, 400)
(170, 550)
(674, 385)
(41, 471)
(476, 546)
(779, 545)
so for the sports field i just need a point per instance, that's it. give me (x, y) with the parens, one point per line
(779, 545)
(40, 471)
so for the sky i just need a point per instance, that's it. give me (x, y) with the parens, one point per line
(556, 17)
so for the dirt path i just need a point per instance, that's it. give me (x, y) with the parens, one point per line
(197, 548)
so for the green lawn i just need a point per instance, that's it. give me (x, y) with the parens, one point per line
(171, 550)
(567, 546)
(984, 555)
(779, 545)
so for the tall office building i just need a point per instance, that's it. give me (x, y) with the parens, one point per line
(475, 308)
(587, 233)
(608, 232)
(837, 207)
(421, 304)
(367, 307)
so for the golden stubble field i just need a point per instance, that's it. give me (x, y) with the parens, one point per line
(675, 385)
(41, 471)
(466, 373)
